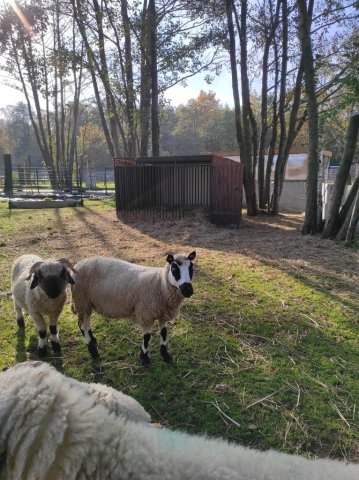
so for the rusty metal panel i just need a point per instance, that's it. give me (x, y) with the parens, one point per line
(226, 193)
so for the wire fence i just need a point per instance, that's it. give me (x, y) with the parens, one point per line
(37, 179)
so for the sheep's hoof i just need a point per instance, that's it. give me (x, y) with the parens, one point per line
(165, 355)
(92, 347)
(42, 352)
(20, 322)
(145, 359)
(56, 347)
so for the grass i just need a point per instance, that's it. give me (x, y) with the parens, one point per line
(266, 351)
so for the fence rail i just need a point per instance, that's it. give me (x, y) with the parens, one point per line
(35, 179)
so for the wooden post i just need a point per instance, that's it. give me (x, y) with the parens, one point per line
(8, 185)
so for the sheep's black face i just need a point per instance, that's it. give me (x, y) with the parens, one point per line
(53, 286)
(52, 280)
(181, 273)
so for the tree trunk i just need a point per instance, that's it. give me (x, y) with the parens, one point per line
(264, 124)
(237, 105)
(342, 233)
(39, 129)
(353, 220)
(282, 100)
(294, 125)
(264, 106)
(152, 20)
(105, 78)
(56, 112)
(129, 83)
(273, 139)
(348, 203)
(75, 109)
(333, 222)
(246, 113)
(246, 144)
(310, 225)
(145, 86)
(47, 98)
(91, 67)
(63, 160)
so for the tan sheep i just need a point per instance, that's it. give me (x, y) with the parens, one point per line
(39, 287)
(115, 288)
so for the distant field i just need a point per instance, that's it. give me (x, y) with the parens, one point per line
(274, 318)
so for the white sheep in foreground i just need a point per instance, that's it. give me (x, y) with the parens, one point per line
(116, 288)
(56, 428)
(39, 287)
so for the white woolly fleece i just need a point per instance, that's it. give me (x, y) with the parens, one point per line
(56, 428)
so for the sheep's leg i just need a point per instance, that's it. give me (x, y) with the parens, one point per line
(19, 316)
(144, 355)
(90, 340)
(163, 341)
(54, 336)
(41, 328)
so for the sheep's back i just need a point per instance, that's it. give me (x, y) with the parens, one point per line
(113, 287)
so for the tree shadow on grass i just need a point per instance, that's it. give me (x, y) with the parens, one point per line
(274, 242)
(95, 230)
(55, 359)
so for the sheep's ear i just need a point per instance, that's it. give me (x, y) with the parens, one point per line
(33, 269)
(69, 279)
(170, 258)
(192, 256)
(35, 281)
(67, 264)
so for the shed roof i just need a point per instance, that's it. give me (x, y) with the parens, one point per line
(175, 160)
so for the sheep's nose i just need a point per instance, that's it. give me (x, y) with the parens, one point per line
(186, 289)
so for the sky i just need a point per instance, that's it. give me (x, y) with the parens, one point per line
(177, 95)
(222, 86)
(9, 96)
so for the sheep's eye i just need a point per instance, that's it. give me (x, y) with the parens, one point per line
(175, 271)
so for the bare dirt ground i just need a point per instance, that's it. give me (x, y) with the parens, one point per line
(277, 240)
(272, 241)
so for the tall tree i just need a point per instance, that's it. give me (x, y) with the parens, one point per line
(310, 220)
(243, 115)
(334, 221)
(152, 20)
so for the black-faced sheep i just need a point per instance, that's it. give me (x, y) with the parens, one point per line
(56, 428)
(116, 288)
(39, 287)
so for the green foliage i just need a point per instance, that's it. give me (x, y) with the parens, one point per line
(351, 244)
(202, 125)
